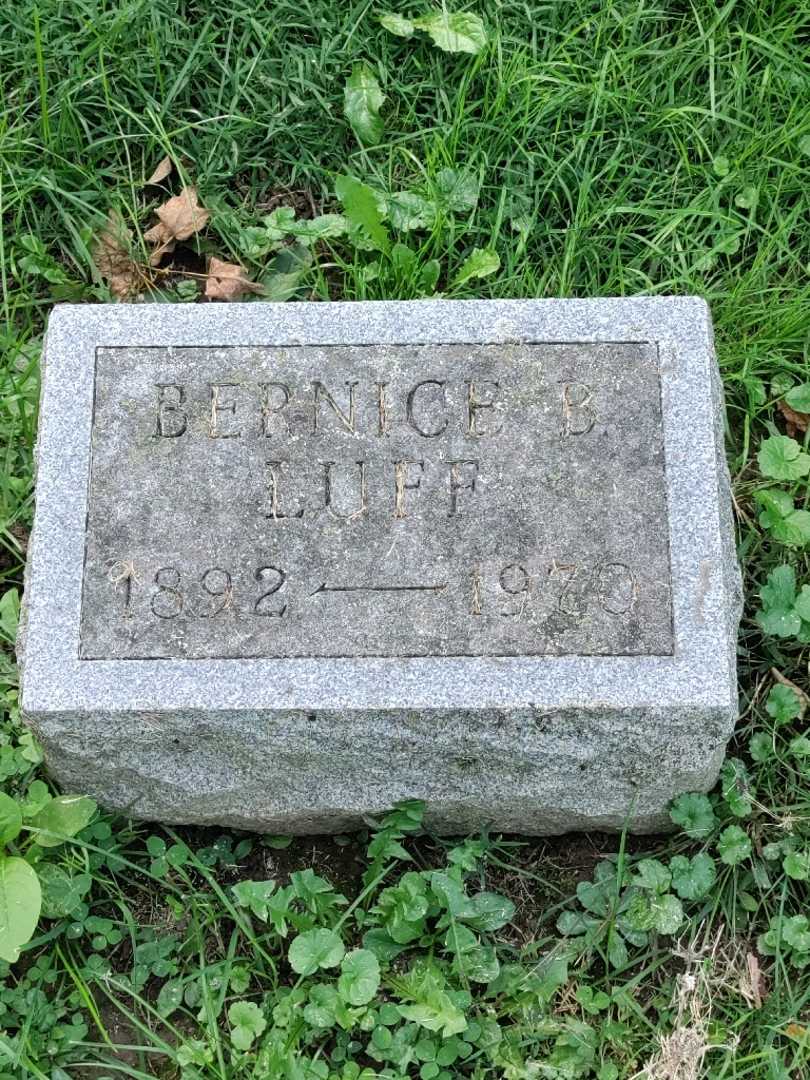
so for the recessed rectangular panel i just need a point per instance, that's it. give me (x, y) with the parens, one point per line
(377, 500)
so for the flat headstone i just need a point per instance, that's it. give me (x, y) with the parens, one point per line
(292, 563)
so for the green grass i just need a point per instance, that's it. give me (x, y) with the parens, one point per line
(618, 148)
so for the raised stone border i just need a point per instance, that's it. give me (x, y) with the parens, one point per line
(526, 744)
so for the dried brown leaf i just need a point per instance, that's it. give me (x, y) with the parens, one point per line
(111, 253)
(182, 216)
(227, 281)
(753, 985)
(162, 170)
(795, 422)
(161, 238)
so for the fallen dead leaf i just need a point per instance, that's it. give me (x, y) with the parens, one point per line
(179, 218)
(162, 170)
(111, 253)
(228, 281)
(753, 985)
(796, 1031)
(795, 422)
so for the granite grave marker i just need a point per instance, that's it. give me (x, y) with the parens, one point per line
(292, 563)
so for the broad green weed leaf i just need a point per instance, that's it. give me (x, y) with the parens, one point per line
(653, 875)
(798, 398)
(652, 911)
(796, 865)
(20, 903)
(436, 1013)
(359, 977)
(780, 590)
(575, 923)
(802, 605)
(480, 263)
(733, 845)
(170, 997)
(278, 223)
(382, 945)
(780, 623)
(254, 895)
(737, 787)
(592, 1001)
(794, 529)
(457, 190)
(692, 878)
(796, 932)
(282, 278)
(489, 911)
(778, 615)
(323, 1004)
(362, 101)
(309, 230)
(454, 32)
(800, 747)
(61, 892)
(395, 24)
(403, 260)
(10, 818)
(785, 523)
(694, 813)
(596, 896)
(616, 949)
(781, 458)
(667, 913)
(783, 704)
(360, 205)
(747, 198)
(9, 615)
(430, 275)
(760, 747)
(721, 165)
(36, 797)
(408, 211)
(247, 1023)
(315, 949)
(481, 964)
(63, 816)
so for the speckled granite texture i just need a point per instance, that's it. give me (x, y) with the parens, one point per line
(546, 643)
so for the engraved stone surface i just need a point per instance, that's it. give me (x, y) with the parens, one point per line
(294, 562)
(411, 500)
